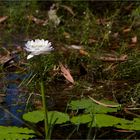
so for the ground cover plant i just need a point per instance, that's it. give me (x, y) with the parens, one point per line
(69, 69)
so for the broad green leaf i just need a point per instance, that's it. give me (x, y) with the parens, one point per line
(129, 126)
(104, 120)
(81, 119)
(98, 109)
(136, 120)
(91, 106)
(12, 132)
(134, 125)
(34, 116)
(53, 117)
(57, 117)
(80, 104)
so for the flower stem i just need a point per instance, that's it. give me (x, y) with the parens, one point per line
(47, 136)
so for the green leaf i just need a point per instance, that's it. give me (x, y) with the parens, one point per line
(136, 120)
(92, 107)
(98, 109)
(53, 117)
(104, 120)
(80, 104)
(100, 120)
(34, 116)
(134, 125)
(12, 132)
(57, 117)
(81, 119)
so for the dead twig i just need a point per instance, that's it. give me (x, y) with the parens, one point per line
(106, 105)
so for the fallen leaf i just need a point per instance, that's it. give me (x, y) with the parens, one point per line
(126, 30)
(4, 56)
(103, 104)
(4, 59)
(113, 58)
(123, 57)
(91, 40)
(124, 131)
(37, 21)
(68, 9)
(82, 52)
(2, 19)
(134, 39)
(66, 73)
(76, 47)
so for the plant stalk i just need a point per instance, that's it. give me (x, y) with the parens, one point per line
(47, 136)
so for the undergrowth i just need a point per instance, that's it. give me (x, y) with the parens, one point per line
(106, 66)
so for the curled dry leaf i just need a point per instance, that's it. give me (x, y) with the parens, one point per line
(2, 19)
(66, 73)
(69, 9)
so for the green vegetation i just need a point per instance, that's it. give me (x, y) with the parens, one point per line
(96, 55)
(16, 133)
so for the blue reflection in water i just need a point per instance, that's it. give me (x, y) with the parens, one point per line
(14, 102)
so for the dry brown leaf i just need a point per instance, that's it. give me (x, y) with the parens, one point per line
(113, 58)
(134, 39)
(82, 52)
(126, 30)
(103, 104)
(91, 40)
(69, 9)
(2, 19)
(66, 73)
(76, 47)
(124, 131)
(4, 56)
(4, 59)
(37, 21)
(123, 57)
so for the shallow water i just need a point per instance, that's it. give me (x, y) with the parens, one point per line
(14, 103)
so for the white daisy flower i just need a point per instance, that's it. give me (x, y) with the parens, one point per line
(38, 47)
